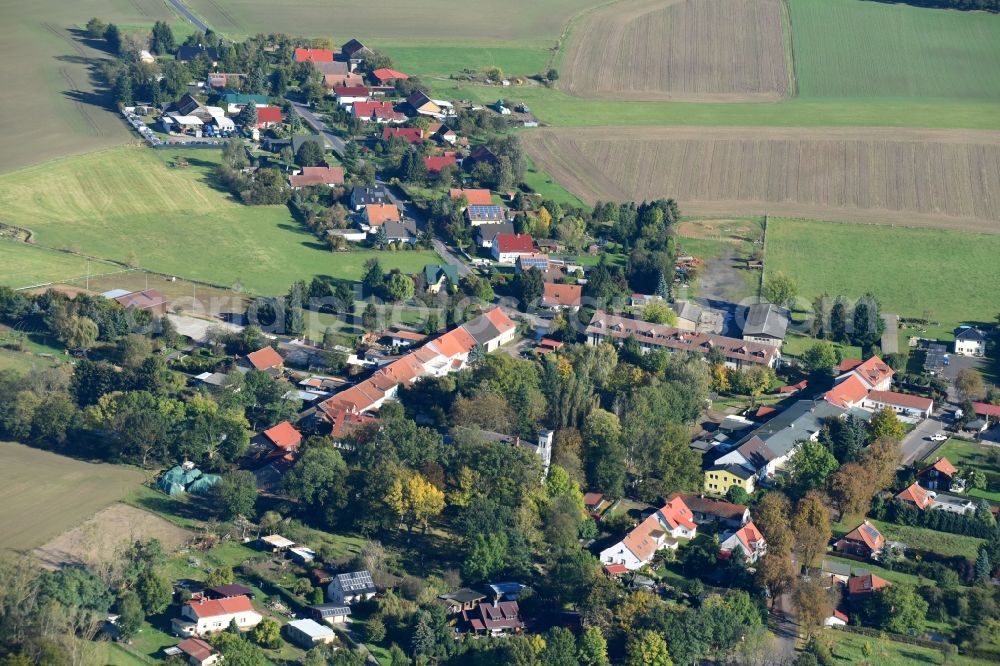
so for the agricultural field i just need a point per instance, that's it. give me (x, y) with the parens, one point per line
(134, 205)
(432, 59)
(912, 177)
(702, 50)
(61, 108)
(44, 494)
(25, 265)
(824, 257)
(859, 49)
(516, 20)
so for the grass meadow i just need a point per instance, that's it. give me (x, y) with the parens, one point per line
(941, 275)
(849, 649)
(919, 538)
(45, 494)
(26, 265)
(863, 49)
(130, 205)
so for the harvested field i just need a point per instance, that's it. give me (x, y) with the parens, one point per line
(933, 178)
(694, 50)
(44, 494)
(99, 538)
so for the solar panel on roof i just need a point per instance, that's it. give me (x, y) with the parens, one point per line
(358, 580)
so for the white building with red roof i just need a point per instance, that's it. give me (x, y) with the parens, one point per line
(201, 616)
(508, 247)
(746, 542)
(863, 541)
(658, 531)
(917, 496)
(266, 359)
(903, 404)
(283, 436)
(562, 296)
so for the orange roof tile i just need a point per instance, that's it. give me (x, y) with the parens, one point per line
(379, 214)
(284, 435)
(265, 358)
(475, 197)
(642, 541)
(676, 513)
(942, 465)
(867, 534)
(847, 393)
(454, 343)
(916, 495)
(565, 295)
(873, 371)
(214, 607)
(866, 584)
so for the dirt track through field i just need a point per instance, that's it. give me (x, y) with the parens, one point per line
(908, 177)
(695, 50)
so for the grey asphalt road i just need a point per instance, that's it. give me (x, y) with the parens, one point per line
(446, 254)
(917, 444)
(186, 13)
(338, 145)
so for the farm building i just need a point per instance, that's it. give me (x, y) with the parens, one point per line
(308, 633)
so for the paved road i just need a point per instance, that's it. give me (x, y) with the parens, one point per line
(916, 445)
(446, 254)
(338, 145)
(186, 13)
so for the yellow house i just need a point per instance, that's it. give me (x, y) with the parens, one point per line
(719, 478)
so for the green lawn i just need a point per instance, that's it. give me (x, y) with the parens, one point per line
(130, 204)
(29, 265)
(912, 272)
(540, 181)
(796, 344)
(859, 49)
(969, 454)
(942, 543)
(849, 649)
(891, 576)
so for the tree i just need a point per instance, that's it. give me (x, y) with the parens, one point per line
(247, 117)
(236, 651)
(415, 500)
(528, 287)
(969, 384)
(592, 648)
(78, 332)
(237, 494)
(820, 356)
(772, 516)
(811, 465)
(267, 633)
(374, 278)
(737, 495)
(898, 609)
(560, 648)
(776, 572)
(310, 153)
(753, 381)
(885, 424)
(130, 615)
(154, 590)
(220, 576)
(113, 37)
(659, 313)
(162, 39)
(811, 526)
(868, 324)
(375, 629)
(813, 602)
(318, 481)
(647, 648)
(780, 289)
(369, 318)
(96, 28)
(852, 487)
(399, 287)
(838, 319)
(983, 567)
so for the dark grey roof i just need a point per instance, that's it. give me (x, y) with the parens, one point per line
(687, 310)
(488, 232)
(797, 423)
(738, 471)
(330, 610)
(368, 194)
(356, 581)
(970, 334)
(484, 331)
(765, 319)
(404, 230)
(463, 596)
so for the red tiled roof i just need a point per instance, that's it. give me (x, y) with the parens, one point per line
(351, 91)
(268, 114)
(677, 514)
(873, 371)
(411, 134)
(916, 495)
(318, 176)
(214, 607)
(377, 110)
(475, 197)
(748, 536)
(435, 163)
(901, 399)
(714, 507)
(313, 55)
(141, 299)
(343, 422)
(514, 243)
(499, 319)
(567, 295)
(407, 335)
(848, 364)
(867, 534)
(792, 388)
(942, 465)
(986, 409)
(284, 435)
(765, 410)
(642, 541)
(342, 79)
(378, 214)
(840, 615)
(386, 74)
(847, 393)
(265, 358)
(591, 499)
(454, 342)
(196, 648)
(615, 569)
(866, 584)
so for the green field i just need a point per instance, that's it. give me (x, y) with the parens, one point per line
(858, 49)
(434, 60)
(849, 649)
(28, 265)
(921, 538)
(129, 204)
(912, 272)
(969, 454)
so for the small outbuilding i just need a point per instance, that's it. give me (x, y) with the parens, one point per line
(308, 633)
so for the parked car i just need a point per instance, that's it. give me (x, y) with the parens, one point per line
(938, 437)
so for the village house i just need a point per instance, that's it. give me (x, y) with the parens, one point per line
(969, 341)
(189, 53)
(473, 196)
(737, 353)
(856, 381)
(265, 360)
(439, 275)
(938, 476)
(336, 67)
(148, 299)
(317, 175)
(377, 112)
(420, 104)
(508, 247)
(235, 102)
(362, 195)
(308, 633)
(375, 215)
(230, 590)
(401, 231)
(862, 586)
(355, 53)
(461, 600)
(268, 116)
(719, 478)
(487, 233)
(435, 163)
(660, 530)
(201, 616)
(224, 80)
(313, 55)
(864, 541)
(348, 96)
(348, 588)
(400, 339)
(195, 651)
(283, 436)
(558, 297)
(494, 619)
(535, 260)
(444, 134)
(388, 77)
(707, 510)
(413, 135)
(746, 542)
(904, 405)
(766, 323)
(916, 496)
(343, 79)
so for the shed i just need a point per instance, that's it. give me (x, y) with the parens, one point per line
(330, 613)
(309, 633)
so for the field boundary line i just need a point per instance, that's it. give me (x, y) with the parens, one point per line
(555, 59)
(786, 24)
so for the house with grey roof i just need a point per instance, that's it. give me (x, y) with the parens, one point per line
(766, 323)
(485, 233)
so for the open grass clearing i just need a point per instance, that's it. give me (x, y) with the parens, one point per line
(849, 648)
(856, 48)
(919, 538)
(26, 265)
(889, 575)
(704, 50)
(44, 494)
(912, 272)
(434, 59)
(907, 177)
(129, 204)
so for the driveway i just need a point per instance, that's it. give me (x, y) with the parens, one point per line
(917, 444)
